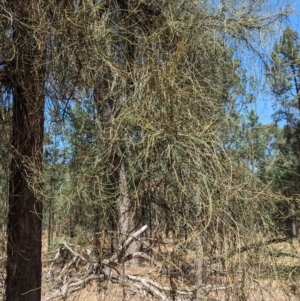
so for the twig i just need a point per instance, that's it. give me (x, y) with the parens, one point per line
(74, 253)
(76, 286)
(124, 246)
(149, 287)
(262, 286)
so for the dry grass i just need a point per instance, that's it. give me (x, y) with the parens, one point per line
(275, 276)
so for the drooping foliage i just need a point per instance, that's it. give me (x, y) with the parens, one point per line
(138, 96)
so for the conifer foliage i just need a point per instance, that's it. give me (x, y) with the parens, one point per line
(130, 101)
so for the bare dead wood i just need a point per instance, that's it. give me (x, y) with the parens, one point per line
(63, 283)
(120, 256)
(149, 287)
(77, 255)
(150, 284)
(71, 278)
(146, 257)
(74, 286)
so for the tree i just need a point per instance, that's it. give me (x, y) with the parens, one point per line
(162, 89)
(5, 138)
(146, 89)
(162, 96)
(284, 76)
(285, 85)
(24, 75)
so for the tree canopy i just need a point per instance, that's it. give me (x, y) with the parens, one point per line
(120, 114)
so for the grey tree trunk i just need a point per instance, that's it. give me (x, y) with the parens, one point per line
(127, 221)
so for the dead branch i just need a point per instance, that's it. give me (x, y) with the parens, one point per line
(149, 283)
(77, 255)
(74, 285)
(145, 256)
(148, 286)
(120, 256)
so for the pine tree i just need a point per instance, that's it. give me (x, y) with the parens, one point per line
(145, 89)
(25, 79)
(284, 76)
(285, 85)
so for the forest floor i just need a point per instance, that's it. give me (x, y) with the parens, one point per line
(168, 274)
(272, 273)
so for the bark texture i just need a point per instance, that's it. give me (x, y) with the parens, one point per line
(26, 71)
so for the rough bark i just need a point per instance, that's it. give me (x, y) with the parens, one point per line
(106, 105)
(124, 208)
(23, 280)
(127, 222)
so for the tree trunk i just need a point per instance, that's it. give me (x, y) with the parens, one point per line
(106, 105)
(124, 208)
(26, 71)
(199, 249)
(127, 220)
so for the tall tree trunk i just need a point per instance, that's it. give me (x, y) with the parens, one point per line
(127, 220)
(23, 279)
(124, 208)
(106, 105)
